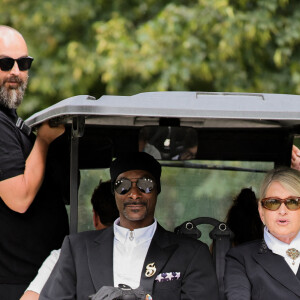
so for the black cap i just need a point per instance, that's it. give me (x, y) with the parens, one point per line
(136, 161)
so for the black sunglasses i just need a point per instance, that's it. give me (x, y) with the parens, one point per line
(124, 185)
(24, 63)
(272, 203)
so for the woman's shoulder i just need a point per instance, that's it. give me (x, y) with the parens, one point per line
(246, 248)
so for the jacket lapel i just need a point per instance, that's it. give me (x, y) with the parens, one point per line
(276, 266)
(298, 273)
(157, 256)
(100, 258)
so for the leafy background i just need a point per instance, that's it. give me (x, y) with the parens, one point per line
(121, 47)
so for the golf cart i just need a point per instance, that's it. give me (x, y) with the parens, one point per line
(210, 146)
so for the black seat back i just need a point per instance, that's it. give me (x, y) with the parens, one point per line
(221, 236)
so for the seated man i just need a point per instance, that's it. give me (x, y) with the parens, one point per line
(136, 251)
(104, 213)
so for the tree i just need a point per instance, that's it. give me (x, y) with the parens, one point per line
(98, 47)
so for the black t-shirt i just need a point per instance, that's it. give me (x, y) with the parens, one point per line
(27, 239)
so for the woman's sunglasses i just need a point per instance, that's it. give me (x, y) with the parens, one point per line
(124, 185)
(24, 63)
(272, 203)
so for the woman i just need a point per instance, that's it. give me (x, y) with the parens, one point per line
(268, 268)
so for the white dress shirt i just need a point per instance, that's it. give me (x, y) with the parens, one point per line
(280, 248)
(44, 272)
(130, 249)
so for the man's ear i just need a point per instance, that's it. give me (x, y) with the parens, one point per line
(95, 219)
(97, 222)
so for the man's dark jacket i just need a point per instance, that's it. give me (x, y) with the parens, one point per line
(86, 264)
(254, 272)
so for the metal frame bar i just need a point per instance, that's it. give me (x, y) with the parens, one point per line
(77, 132)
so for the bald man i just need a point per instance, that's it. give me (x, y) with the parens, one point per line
(33, 218)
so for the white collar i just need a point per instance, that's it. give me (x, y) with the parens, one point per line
(139, 235)
(279, 247)
(273, 242)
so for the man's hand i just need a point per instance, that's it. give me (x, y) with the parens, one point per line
(295, 161)
(30, 295)
(48, 134)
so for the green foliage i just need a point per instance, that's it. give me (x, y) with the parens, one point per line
(191, 193)
(125, 47)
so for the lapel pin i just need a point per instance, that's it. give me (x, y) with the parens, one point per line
(150, 270)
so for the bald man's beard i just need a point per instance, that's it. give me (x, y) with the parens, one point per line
(12, 97)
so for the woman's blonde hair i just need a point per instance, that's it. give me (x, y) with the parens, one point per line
(288, 177)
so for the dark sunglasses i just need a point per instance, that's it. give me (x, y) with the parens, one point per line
(24, 63)
(272, 203)
(124, 185)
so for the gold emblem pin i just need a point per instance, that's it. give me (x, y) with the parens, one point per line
(150, 270)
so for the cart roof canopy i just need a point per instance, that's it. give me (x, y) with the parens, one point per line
(229, 126)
